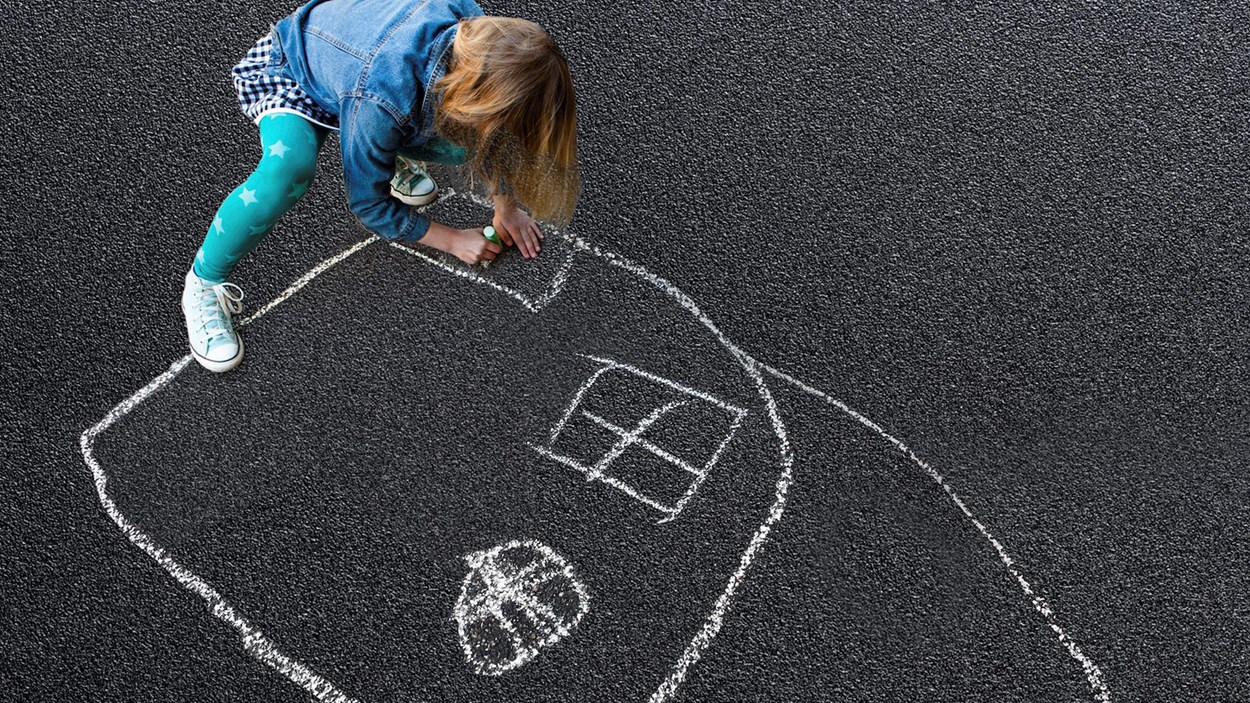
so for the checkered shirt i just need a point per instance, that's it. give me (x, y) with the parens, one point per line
(260, 93)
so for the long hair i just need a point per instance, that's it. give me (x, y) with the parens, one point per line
(507, 98)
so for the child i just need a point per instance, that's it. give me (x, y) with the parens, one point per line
(404, 82)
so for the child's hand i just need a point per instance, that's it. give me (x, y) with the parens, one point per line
(468, 245)
(515, 227)
(472, 247)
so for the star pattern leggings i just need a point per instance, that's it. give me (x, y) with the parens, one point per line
(289, 148)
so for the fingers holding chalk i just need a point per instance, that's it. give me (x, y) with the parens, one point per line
(495, 244)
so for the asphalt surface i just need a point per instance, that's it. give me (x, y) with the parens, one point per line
(1012, 238)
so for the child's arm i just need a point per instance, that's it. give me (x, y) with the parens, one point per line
(369, 137)
(515, 227)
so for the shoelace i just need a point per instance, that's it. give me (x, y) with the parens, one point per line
(212, 303)
(410, 174)
(411, 179)
(406, 164)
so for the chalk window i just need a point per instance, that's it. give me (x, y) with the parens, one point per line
(650, 438)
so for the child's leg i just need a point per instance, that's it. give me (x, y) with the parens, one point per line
(288, 163)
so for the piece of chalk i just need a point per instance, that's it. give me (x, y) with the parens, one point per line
(493, 236)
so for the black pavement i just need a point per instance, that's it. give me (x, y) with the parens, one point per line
(1011, 242)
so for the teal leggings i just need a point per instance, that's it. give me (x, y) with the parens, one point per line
(289, 148)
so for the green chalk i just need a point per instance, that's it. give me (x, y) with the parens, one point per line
(491, 235)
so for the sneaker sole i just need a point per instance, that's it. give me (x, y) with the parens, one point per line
(221, 366)
(416, 200)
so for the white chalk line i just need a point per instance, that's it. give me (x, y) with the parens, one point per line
(715, 620)
(255, 642)
(500, 588)
(323, 690)
(707, 468)
(307, 278)
(1092, 673)
(602, 478)
(699, 644)
(612, 363)
(629, 438)
(577, 400)
(536, 612)
(642, 442)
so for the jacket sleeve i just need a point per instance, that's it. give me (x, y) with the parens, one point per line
(369, 136)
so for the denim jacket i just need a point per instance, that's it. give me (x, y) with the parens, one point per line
(371, 62)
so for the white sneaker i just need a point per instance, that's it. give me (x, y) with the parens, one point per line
(411, 184)
(207, 309)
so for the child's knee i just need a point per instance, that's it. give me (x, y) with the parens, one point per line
(278, 183)
(289, 165)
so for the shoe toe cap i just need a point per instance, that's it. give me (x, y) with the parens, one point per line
(220, 356)
(425, 186)
(221, 351)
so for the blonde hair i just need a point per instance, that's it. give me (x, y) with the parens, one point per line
(507, 97)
